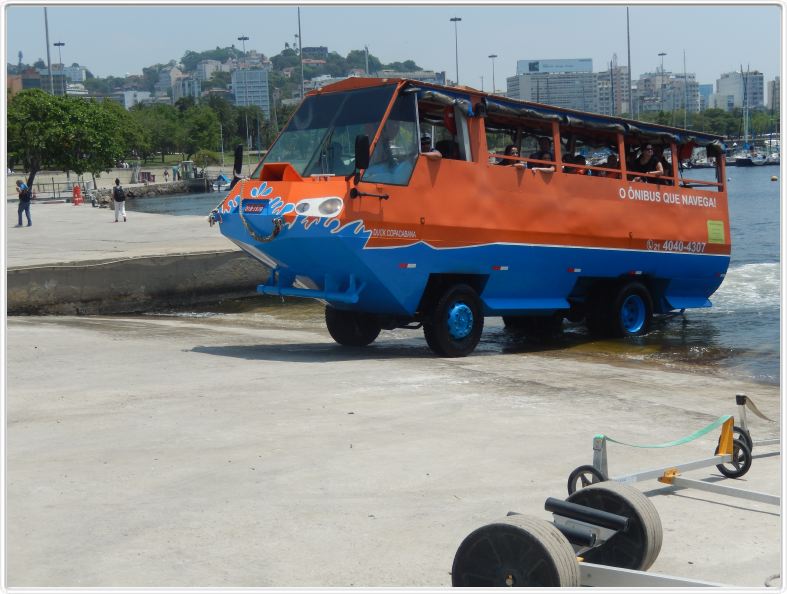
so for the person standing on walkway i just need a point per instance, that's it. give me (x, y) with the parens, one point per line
(119, 196)
(166, 175)
(25, 195)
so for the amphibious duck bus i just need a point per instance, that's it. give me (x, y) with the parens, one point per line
(401, 204)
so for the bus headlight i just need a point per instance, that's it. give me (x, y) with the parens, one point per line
(330, 207)
(327, 207)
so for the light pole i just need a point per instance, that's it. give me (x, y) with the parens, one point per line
(493, 56)
(661, 78)
(455, 20)
(244, 39)
(58, 45)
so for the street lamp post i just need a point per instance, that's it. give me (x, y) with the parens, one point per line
(661, 78)
(455, 20)
(493, 56)
(244, 39)
(58, 45)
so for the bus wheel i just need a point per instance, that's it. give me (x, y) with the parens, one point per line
(351, 328)
(453, 327)
(625, 312)
(632, 310)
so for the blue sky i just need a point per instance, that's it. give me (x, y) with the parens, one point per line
(123, 39)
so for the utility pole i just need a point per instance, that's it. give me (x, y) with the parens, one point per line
(244, 39)
(632, 110)
(300, 49)
(455, 20)
(494, 88)
(48, 60)
(685, 93)
(661, 79)
(58, 45)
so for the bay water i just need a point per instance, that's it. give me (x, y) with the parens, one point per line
(739, 335)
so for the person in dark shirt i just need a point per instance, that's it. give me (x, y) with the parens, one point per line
(511, 151)
(646, 163)
(542, 154)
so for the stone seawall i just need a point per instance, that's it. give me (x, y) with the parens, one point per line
(187, 186)
(132, 284)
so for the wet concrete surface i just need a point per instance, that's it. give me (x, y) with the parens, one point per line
(239, 446)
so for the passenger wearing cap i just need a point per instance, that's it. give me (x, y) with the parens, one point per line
(426, 147)
(648, 164)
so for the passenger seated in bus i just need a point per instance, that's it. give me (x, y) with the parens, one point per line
(426, 147)
(658, 152)
(612, 163)
(448, 148)
(542, 154)
(511, 151)
(648, 164)
(575, 159)
(384, 165)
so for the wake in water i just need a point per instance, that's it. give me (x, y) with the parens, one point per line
(749, 287)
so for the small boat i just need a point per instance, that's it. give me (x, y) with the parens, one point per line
(750, 159)
(221, 184)
(773, 159)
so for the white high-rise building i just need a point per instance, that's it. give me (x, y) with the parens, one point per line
(730, 90)
(250, 87)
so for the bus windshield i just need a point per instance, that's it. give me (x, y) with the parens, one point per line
(320, 137)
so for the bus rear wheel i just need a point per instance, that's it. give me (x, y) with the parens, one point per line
(627, 311)
(453, 327)
(351, 328)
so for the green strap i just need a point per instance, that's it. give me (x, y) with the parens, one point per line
(717, 423)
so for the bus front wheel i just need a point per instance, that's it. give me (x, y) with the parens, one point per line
(351, 328)
(454, 325)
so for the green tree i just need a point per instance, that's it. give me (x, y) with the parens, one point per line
(66, 133)
(160, 126)
(199, 129)
(204, 158)
(228, 118)
(357, 59)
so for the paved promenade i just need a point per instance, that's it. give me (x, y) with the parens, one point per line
(250, 450)
(63, 233)
(77, 259)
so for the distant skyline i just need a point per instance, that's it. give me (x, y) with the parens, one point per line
(122, 39)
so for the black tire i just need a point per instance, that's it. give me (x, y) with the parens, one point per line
(516, 551)
(741, 460)
(453, 327)
(639, 545)
(536, 326)
(743, 435)
(351, 328)
(583, 476)
(627, 311)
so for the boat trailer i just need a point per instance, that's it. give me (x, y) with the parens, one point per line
(606, 533)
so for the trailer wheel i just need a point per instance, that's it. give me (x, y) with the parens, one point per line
(743, 435)
(351, 328)
(516, 551)
(582, 476)
(454, 326)
(741, 460)
(634, 548)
